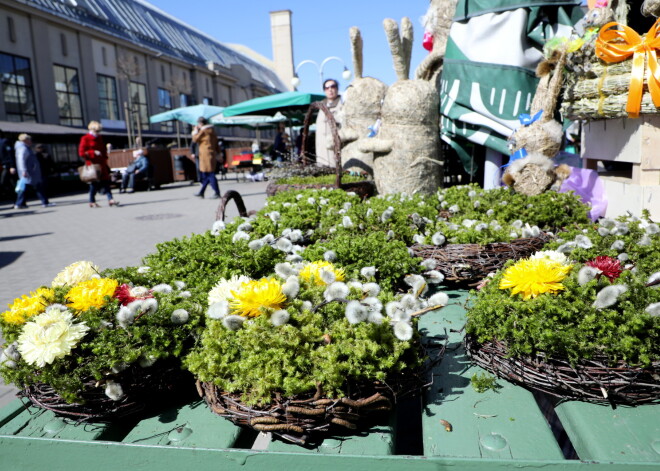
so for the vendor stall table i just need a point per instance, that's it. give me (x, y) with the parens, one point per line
(461, 430)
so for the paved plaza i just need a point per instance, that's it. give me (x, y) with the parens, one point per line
(36, 243)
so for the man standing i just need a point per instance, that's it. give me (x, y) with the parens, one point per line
(325, 156)
(8, 177)
(29, 173)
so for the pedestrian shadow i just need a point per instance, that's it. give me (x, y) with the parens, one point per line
(7, 258)
(6, 239)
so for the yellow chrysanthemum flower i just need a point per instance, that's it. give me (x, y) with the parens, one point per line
(91, 293)
(531, 277)
(311, 272)
(254, 295)
(76, 273)
(25, 307)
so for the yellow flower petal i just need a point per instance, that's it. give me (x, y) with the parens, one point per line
(91, 293)
(311, 272)
(254, 295)
(532, 277)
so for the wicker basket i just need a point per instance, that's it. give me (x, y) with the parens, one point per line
(145, 389)
(594, 380)
(470, 263)
(307, 418)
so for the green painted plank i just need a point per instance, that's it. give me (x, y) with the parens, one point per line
(378, 441)
(599, 432)
(30, 454)
(503, 424)
(193, 425)
(11, 410)
(34, 422)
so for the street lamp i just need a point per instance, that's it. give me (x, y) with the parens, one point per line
(346, 74)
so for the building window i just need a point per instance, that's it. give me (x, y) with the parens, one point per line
(207, 100)
(186, 100)
(108, 102)
(165, 104)
(65, 50)
(138, 93)
(68, 95)
(104, 57)
(162, 73)
(17, 92)
(11, 29)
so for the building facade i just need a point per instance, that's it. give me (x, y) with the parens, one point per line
(66, 62)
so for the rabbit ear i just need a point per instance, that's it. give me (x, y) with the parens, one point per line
(356, 50)
(406, 43)
(396, 48)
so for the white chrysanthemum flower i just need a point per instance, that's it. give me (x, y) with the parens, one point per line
(434, 277)
(180, 316)
(336, 290)
(618, 245)
(567, 247)
(218, 310)
(586, 274)
(311, 200)
(438, 238)
(623, 257)
(240, 235)
(233, 322)
(295, 235)
(218, 227)
(607, 222)
(285, 270)
(330, 256)
(368, 272)
(113, 390)
(146, 362)
(652, 229)
(291, 288)
(583, 242)
(284, 245)
(553, 255)
(419, 239)
(125, 316)
(372, 289)
(609, 296)
(439, 299)
(279, 318)
(222, 291)
(49, 336)
(644, 241)
(294, 258)
(256, 244)
(274, 216)
(75, 273)
(403, 331)
(356, 312)
(653, 309)
(162, 288)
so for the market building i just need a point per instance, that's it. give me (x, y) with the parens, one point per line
(66, 62)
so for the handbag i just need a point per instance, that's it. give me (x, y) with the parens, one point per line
(89, 173)
(20, 185)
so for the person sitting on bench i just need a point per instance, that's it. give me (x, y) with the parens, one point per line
(139, 168)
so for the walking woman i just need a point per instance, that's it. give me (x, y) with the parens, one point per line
(207, 149)
(93, 151)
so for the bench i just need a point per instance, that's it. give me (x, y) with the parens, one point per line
(455, 428)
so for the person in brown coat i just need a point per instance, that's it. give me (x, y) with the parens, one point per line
(207, 150)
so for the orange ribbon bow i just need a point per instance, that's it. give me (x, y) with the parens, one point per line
(616, 45)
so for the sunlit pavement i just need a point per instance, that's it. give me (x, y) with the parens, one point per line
(36, 243)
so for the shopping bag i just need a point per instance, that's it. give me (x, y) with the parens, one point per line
(20, 185)
(89, 173)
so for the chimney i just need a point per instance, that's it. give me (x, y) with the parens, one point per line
(280, 29)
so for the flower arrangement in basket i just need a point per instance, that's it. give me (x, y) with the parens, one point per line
(305, 353)
(97, 347)
(578, 322)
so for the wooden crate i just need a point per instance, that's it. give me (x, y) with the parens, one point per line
(497, 430)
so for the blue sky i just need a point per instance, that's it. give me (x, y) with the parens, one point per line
(320, 30)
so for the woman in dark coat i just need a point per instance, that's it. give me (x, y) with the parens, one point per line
(93, 151)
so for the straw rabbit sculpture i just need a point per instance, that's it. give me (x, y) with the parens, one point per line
(651, 8)
(362, 107)
(407, 148)
(541, 140)
(437, 21)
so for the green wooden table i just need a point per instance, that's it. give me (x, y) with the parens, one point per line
(495, 430)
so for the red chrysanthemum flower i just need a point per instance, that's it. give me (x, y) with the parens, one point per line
(126, 294)
(609, 266)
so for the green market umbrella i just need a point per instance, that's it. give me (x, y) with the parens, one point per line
(248, 121)
(287, 103)
(187, 114)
